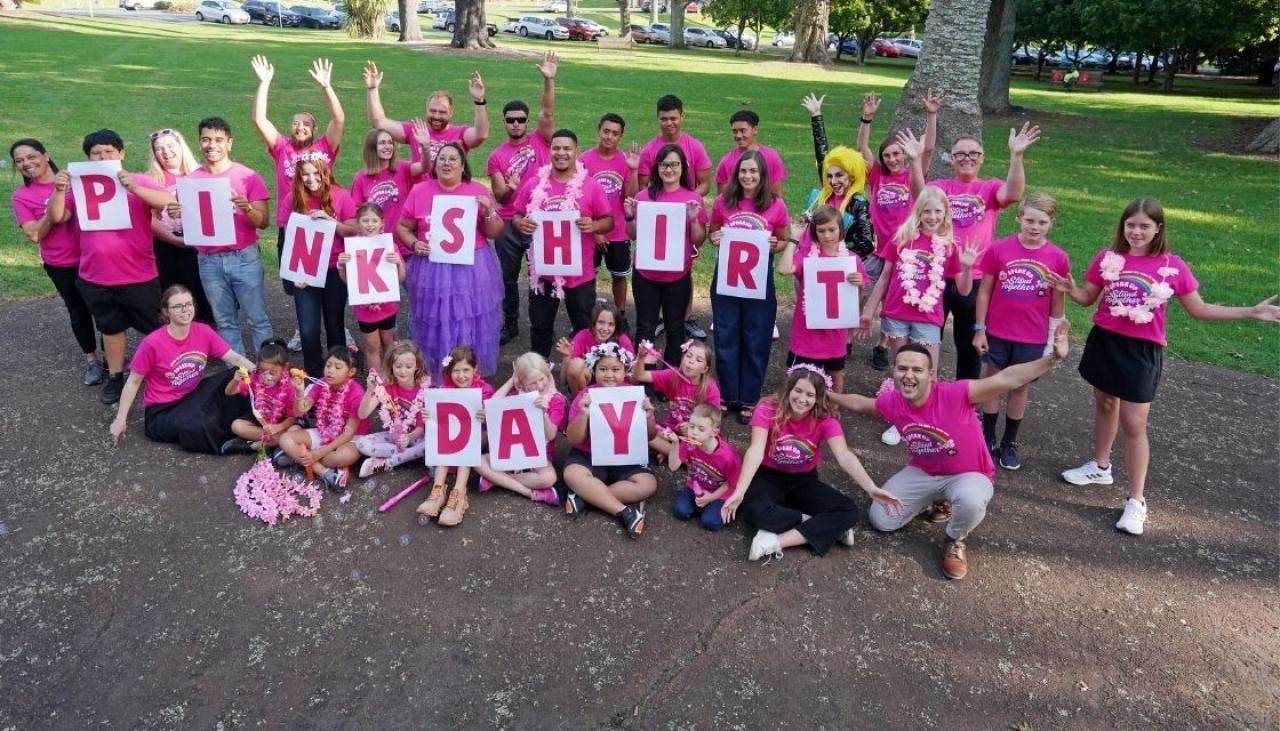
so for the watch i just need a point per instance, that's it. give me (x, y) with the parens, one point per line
(979, 327)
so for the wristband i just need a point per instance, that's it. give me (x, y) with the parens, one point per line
(979, 327)
(794, 241)
(865, 120)
(480, 103)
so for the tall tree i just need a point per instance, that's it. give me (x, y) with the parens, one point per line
(811, 18)
(624, 18)
(997, 57)
(410, 28)
(364, 18)
(677, 24)
(470, 31)
(951, 59)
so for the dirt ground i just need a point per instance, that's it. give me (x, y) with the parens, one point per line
(136, 595)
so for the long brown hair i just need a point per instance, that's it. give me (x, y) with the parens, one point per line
(1151, 208)
(733, 192)
(298, 193)
(822, 407)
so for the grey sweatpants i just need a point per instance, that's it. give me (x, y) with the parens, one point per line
(968, 492)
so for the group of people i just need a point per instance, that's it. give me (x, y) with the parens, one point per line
(920, 251)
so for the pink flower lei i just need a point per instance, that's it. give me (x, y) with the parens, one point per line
(537, 199)
(263, 493)
(1112, 265)
(908, 268)
(397, 421)
(330, 418)
(266, 407)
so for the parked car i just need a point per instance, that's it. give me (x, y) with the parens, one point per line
(908, 47)
(578, 29)
(1094, 58)
(784, 40)
(695, 7)
(882, 47)
(600, 29)
(849, 47)
(221, 11)
(270, 12)
(536, 27)
(446, 20)
(138, 4)
(661, 33)
(642, 34)
(646, 6)
(556, 6)
(703, 37)
(430, 7)
(392, 21)
(730, 37)
(313, 17)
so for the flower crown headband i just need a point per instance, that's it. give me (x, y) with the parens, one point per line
(812, 369)
(609, 350)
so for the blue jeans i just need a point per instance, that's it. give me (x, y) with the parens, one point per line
(327, 304)
(233, 283)
(685, 508)
(743, 337)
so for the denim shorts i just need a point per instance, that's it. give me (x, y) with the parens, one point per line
(916, 332)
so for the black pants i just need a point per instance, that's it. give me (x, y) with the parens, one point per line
(777, 501)
(669, 297)
(182, 266)
(511, 246)
(64, 280)
(289, 289)
(201, 420)
(316, 305)
(543, 306)
(963, 310)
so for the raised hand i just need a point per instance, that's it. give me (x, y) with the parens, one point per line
(1062, 340)
(1020, 140)
(911, 145)
(813, 104)
(969, 252)
(550, 64)
(322, 72)
(475, 86)
(933, 101)
(870, 104)
(372, 76)
(632, 155)
(262, 68)
(564, 347)
(421, 132)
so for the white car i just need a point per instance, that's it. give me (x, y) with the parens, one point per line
(703, 37)
(784, 40)
(556, 6)
(908, 47)
(138, 4)
(511, 26)
(221, 11)
(433, 6)
(663, 33)
(535, 27)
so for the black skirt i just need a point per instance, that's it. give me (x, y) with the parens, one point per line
(201, 420)
(1121, 366)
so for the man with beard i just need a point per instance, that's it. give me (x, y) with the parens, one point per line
(439, 117)
(564, 185)
(615, 171)
(949, 472)
(510, 163)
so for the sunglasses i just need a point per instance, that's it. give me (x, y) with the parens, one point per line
(517, 120)
(162, 133)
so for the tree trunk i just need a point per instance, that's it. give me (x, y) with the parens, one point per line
(571, 9)
(1137, 67)
(410, 29)
(624, 18)
(1170, 70)
(677, 23)
(811, 32)
(742, 27)
(1268, 141)
(653, 12)
(997, 57)
(1039, 63)
(1152, 69)
(951, 61)
(470, 31)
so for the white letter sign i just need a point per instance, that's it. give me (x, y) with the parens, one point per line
(308, 244)
(371, 279)
(742, 267)
(517, 439)
(208, 216)
(453, 229)
(557, 244)
(619, 435)
(101, 201)
(830, 302)
(660, 244)
(453, 431)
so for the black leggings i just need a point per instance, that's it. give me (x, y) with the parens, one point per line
(182, 266)
(315, 306)
(64, 280)
(777, 502)
(199, 421)
(669, 297)
(543, 306)
(964, 312)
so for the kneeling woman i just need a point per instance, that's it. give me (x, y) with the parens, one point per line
(182, 407)
(779, 489)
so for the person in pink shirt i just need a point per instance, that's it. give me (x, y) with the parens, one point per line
(59, 246)
(606, 327)
(744, 125)
(1132, 282)
(1018, 312)
(530, 373)
(303, 141)
(684, 386)
(181, 405)
(439, 112)
(117, 271)
(615, 170)
(232, 275)
(975, 210)
(376, 321)
(511, 163)
(385, 180)
(948, 459)
(712, 466)
(561, 186)
(779, 489)
(333, 404)
(394, 389)
(177, 263)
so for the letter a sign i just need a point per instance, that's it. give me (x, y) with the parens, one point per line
(453, 229)
(517, 437)
(371, 279)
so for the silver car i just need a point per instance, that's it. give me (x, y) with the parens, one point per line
(703, 37)
(221, 11)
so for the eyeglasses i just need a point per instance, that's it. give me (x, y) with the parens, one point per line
(673, 165)
(162, 133)
(963, 156)
(182, 306)
(517, 120)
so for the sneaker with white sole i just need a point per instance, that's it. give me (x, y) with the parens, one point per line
(694, 330)
(1089, 473)
(776, 334)
(765, 544)
(295, 342)
(1135, 516)
(891, 436)
(661, 328)
(848, 537)
(373, 465)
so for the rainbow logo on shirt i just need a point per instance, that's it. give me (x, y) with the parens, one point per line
(611, 182)
(966, 210)
(748, 220)
(1130, 289)
(893, 197)
(185, 367)
(928, 442)
(792, 451)
(703, 478)
(1022, 278)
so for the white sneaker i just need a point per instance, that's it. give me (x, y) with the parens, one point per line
(847, 537)
(372, 466)
(764, 544)
(295, 342)
(891, 436)
(1089, 473)
(1135, 515)
(776, 334)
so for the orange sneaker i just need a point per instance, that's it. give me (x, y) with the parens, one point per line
(431, 506)
(954, 565)
(455, 508)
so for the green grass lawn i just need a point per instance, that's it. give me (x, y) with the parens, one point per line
(1098, 150)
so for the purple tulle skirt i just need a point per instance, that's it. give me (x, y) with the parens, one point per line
(456, 304)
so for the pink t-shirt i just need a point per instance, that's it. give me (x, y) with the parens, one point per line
(486, 391)
(584, 340)
(575, 408)
(375, 312)
(344, 209)
(173, 368)
(922, 250)
(244, 182)
(728, 165)
(817, 343)
(417, 207)
(695, 154)
(275, 402)
(115, 258)
(744, 215)
(943, 435)
(516, 161)
(975, 211)
(797, 445)
(557, 411)
(891, 201)
(1021, 297)
(1136, 280)
(61, 246)
(682, 396)
(350, 405)
(679, 195)
(404, 398)
(611, 173)
(388, 189)
(287, 158)
(452, 133)
(591, 202)
(707, 471)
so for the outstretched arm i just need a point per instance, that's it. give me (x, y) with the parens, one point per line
(1086, 295)
(479, 131)
(547, 114)
(870, 103)
(1017, 376)
(1264, 311)
(263, 69)
(322, 72)
(914, 148)
(377, 117)
(814, 106)
(1015, 183)
(852, 467)
(933, 101)
(857, 403)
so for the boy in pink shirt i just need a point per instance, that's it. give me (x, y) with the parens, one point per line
(616, 172)
(712, 466)
(744, 125)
